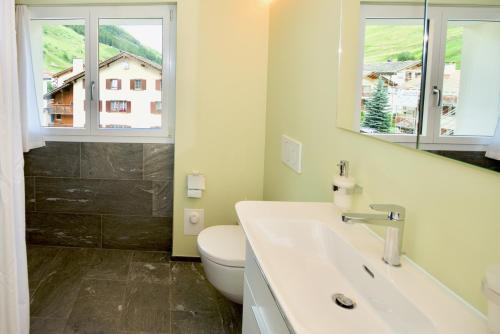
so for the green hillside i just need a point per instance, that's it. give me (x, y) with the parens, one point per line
(385, 42)
(61, 44)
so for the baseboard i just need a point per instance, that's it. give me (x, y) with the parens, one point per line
(185, 258)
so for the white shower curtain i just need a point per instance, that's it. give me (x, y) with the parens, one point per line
(30, 113)
(493, 151)
(14, 295)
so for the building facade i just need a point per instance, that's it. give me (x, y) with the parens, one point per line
(129, 94)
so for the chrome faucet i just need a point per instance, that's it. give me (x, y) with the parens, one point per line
(394, 221)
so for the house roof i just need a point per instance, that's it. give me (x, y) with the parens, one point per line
(391, 67)
(69, 81)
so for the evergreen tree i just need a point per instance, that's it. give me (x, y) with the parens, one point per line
(377, 117)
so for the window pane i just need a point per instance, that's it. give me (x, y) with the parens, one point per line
(392, 71)
(130, 65)
(471, 82)
(58, 48)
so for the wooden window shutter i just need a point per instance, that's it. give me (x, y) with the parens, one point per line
(108, 106)
(108, 83)
(119, 84)
(152, 107)
(132, 84)
(129, 106)
(158, 84)
(100, 105)
(143, 84)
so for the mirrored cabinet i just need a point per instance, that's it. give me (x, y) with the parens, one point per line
(427, 76)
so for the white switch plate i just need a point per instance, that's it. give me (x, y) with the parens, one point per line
(194, 228)
(291, 153)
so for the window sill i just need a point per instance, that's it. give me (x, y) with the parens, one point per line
(112, 139)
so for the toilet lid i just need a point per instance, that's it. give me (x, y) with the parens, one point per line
(224, 244)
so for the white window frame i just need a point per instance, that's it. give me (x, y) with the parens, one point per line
(113, 82)
(439, 17)
(91, 15)
(378, 11)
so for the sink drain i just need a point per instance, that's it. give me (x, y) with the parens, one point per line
(343, 301)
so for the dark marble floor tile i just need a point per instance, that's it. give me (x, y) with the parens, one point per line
(147, 272)
(158, 162)
(58, 159)
(58, 291)
(163, 194)
(46, 326)
(141, 233)
(110, 264)
(190, 289)
(185, 322)
(98, 308)
(112, 161)
(131, 197)
(61, 229)
(231, 315)
(29, 193)
(151, 257)
(39, 264)
(146, 308)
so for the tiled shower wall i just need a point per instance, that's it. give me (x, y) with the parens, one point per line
(103, 195)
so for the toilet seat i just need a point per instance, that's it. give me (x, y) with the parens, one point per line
(224, 245)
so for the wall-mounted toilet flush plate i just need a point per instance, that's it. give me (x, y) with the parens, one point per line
(291, 153)
(194, 221)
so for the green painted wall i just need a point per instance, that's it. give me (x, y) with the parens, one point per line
(453, 228)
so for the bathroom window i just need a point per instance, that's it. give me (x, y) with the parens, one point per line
(85, 55)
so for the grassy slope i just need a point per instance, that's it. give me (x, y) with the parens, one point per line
(383, 43)
(59, 55)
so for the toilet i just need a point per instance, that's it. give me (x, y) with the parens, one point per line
(222, 250)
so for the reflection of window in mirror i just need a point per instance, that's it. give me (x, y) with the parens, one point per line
(390, 71)
(463, 101)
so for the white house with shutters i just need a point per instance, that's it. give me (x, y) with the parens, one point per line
(129, 94)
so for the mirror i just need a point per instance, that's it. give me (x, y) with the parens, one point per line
(383, 69)
(441, 96)
(461, 119)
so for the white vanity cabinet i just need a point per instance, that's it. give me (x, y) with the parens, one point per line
(261, 313)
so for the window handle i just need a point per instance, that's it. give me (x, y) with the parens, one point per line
(92, 85)
(439, 96)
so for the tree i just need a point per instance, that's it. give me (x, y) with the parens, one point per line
(377, 117)
(405, 56)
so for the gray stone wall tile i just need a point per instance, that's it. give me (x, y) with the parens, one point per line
(163, 199)
(112, 161)
(70, 186)
(158, 162)
(94, 196)
(63, 229)
(57, 159)
(141, 233)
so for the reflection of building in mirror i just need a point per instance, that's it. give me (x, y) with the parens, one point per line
(391, 71)
(399, 81)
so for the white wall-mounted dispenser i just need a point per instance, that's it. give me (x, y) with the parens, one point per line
(195, 185)
(343, 187)
(491, 289)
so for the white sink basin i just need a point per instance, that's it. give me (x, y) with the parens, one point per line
(307, 254)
